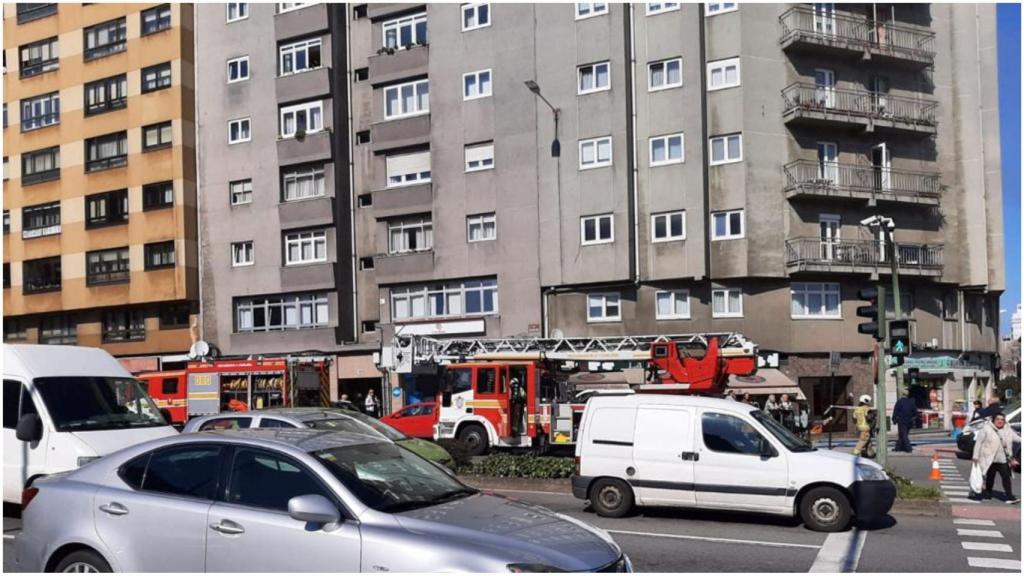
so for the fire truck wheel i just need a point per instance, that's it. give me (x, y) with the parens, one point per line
(475, 438)
(611, 497)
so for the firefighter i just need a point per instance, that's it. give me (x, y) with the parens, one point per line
(860, 416)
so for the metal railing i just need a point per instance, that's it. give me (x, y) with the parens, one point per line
(875, 180)
(104, 50)
(859, 103)
(30, 123)
(861, 253)
(840, 29)
(107, 277)
(40, 177)
(28, 233)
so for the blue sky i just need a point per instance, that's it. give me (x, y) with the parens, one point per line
(1008, 24)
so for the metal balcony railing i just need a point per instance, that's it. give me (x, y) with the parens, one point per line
(859, 104)
(834, 178)
(850, 254)
(27, 70)
(97, 278)
(848, 31)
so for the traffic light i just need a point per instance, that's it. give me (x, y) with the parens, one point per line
(899, 338)
(875, 297)
(913, 376)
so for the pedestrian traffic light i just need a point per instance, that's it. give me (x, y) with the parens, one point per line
(913, 376)
(899, 338)
(873, 328)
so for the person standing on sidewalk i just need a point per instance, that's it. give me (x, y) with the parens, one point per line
(860, 417)
(371, 403)
(903, 414)
(993, 451)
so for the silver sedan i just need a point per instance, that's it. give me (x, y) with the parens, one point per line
(290, 500)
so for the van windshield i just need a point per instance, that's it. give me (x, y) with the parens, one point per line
(791, 441)
(81, 403)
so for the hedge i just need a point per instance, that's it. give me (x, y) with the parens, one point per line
(522, 466)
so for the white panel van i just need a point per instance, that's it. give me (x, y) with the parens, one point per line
(692, 451)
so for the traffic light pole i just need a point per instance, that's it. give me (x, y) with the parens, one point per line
(880, 412)
(894, 264)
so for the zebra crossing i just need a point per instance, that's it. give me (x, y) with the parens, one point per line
(954, 486)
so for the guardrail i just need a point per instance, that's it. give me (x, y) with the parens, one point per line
(831, 28)
(861, 253)
(804, 96)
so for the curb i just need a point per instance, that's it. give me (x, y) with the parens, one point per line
(933, 508)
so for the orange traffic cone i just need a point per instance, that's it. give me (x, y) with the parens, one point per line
(936, 473)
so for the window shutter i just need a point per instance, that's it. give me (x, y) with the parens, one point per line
(414, 163)
(479, 153)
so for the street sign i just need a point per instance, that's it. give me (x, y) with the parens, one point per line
(899, 338)
(834, 358)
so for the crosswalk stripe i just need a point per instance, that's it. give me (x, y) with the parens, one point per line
(979, 533)
(955, 492)
(994, 563)
(973, 522)
(963, 500)
(987, 546)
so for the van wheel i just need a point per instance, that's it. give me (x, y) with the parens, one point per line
(82, 561)
(474, 437)
(825, 510)
(611, 497)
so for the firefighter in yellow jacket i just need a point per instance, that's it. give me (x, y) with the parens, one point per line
(860, 417)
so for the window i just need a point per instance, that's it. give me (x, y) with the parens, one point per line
(815, 300)
(240, 191)
(482, 227)
(169, 386)
(667, 150)
(40, 166)
(159, 255)
(299, 56)
(305, 247)
(238, 423)
(175, 316)
(366, 263)
(726, 303)
(404, 32)
(450, 299)
(661, 7)
(407, 169)
(723, 74)
(106, 209)
(363, 137)
(41, 220)
(237, 11)
(283, 7)
(406, 99)
(157, 195)
(974, 308)
(603, 307)
(124, 325)
(5, 115)
(726, 149)
(156, 19)
(242, 254)
(38, 58)
(672, 305)
(588, 9)
(300, 183)
(105, 152)
(668, 226)
(190, 471)
(284, 312)
(7, 221)
(720, 8)
(593, 78)
(41, 275)
(29, 11)
(156, 136)
(262, 479)
(58, 330)
(275, 423)
(106, 95)
(727, 225)
(369, 326)
(156, 77)
(479, 156)
(476, 85)
(239, 131)
(361, 74)
(364, 200)
(7, 168)
(107, 267)
(238, 69)
(106, 39)
(597, 229)
(665, 74)
(729, 434)
(40, 111)
(14, 328)
(595, 153)
(413, 234)
(304, 118)
(476, 15)
(950, 306)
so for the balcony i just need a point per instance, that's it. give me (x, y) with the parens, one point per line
(40, 232)
(400, 133)
(107, 277)
(315, 146)
(813, 254)
(28, 70)
(303, 85)
(812, 105)
(301, 22)
(390, 66)
(403, 200)
(804, 28)
(40, 177)
(858, 182)
(404, 267)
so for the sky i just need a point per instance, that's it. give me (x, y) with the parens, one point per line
(1008, 48)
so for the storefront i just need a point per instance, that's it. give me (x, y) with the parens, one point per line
(946, 388)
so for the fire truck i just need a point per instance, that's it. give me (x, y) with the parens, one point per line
(519, 392)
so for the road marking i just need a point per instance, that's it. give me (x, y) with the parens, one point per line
(993, 563)
(840, 552)
(8, 536)
(973, 522)
(963, 500)
(979, 533)
(987, 546)
(711, 539)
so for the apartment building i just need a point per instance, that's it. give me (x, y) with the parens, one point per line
(99, 178)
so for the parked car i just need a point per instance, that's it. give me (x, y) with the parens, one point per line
(289, 500)
(965, 441)
(693, 451)
(321, 419)
(416, 420)
(65, 406)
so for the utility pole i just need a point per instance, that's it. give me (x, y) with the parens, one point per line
(897, 308)
(883, 367)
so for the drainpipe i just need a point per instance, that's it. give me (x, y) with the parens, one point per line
(705, 176)
(634, 204)
(199, 197)
(352, 182)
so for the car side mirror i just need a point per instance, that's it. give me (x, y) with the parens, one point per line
(30, 428)
(313, 508)
(767, 450)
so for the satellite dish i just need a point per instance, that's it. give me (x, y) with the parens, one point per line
(557, 334)
(199, 349)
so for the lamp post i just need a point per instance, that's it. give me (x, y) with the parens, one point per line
(556, 147)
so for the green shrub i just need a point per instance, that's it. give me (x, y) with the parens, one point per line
(907, 490)
(522, 466)
(461, 458)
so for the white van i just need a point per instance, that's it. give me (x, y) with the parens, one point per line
(65, 406)
(692, 451)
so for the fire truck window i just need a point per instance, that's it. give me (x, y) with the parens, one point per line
(462, 380)
(186, 471)
(226, 424)
(169, 386)
(264, 480)
(427, 410)
(486, 380)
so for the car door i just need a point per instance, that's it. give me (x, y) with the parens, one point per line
(22, 460)
(250, 529)
(423, 422)
(663, 455)
(152, 514)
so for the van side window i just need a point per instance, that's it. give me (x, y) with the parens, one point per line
(486, 380)
(725, 433)
(12, 392)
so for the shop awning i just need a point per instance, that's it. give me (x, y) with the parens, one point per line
(766, 381)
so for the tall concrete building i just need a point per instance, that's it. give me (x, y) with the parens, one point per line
(99, 178)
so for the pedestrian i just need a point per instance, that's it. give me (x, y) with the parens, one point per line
(903, 414)
(786, 410)
(749, 401)
(976, 414)
(772, 407)
(860, 417)
(993, 452)
(730, 395)
(371, 403)
(992, 409)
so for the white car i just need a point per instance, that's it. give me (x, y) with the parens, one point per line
(692, 451)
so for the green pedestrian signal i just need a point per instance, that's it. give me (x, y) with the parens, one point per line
(899, 338)
(899, 348)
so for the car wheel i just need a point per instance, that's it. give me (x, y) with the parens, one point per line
(83, 561)
(475, 438)
(611, 497)
(825, 510)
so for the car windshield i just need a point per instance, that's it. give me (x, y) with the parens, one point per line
(343, 424)
(97, 403)
(791, 441)
(381, 428)
(389, 478)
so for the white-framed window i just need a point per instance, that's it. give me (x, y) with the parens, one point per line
(450, 299)
(476, 85)
(240, 191)
(302, 182)
(815, 300)
(727, 225)
(666, 149)
(665, 74)
(401, 33)
(282, 312)
(407, 99)
(307, 117)
(594, 78)
(283, 7)
(237, 11)
(242, 254)
(238, 69)
(305, 247)
(668, 226)
(726, 303)
(672, 305)
(407, 169)
(481, 227)
(725, 149)
(720, 8)
(595, 152)
(661, 7)
(604, 307)
(723, 74)
(413, 234)
(300, 56)
(476, 15)
(597, 229)
(239, 130)
(479, 156)
(590, 9)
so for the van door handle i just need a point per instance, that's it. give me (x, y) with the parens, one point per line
(114, 509)
(227, 527)
(691, 456)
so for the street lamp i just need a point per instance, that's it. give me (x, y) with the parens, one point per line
(556, 147)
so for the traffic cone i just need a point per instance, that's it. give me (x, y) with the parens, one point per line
(936, 473)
